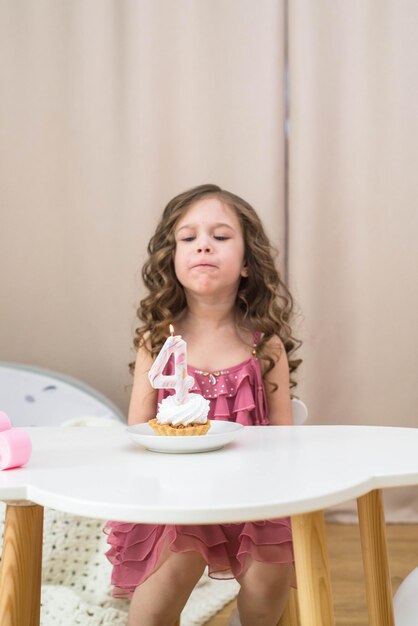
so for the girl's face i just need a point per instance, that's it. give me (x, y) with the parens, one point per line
(209, 255)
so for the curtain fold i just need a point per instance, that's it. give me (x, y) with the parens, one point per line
(353, 194)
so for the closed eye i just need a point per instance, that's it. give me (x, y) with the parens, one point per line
(217, 237)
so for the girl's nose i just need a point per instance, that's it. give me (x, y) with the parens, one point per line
(203, 245)
(204, 248)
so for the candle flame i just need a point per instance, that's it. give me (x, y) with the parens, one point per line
(171, 329)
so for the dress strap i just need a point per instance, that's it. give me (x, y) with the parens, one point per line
(257, 338)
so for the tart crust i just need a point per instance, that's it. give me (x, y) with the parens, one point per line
(168, 430)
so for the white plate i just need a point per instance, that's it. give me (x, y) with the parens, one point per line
(219, 434)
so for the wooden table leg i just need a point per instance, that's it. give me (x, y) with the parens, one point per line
(312, 570)
(21, 566)
(375, 559)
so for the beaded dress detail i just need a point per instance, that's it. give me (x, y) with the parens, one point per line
(236, 394)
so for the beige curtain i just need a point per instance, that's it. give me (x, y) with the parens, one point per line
(353, 191)
(107, 110)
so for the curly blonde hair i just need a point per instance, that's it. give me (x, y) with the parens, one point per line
(263, 302)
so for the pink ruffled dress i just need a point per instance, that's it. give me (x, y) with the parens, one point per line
(137, 550)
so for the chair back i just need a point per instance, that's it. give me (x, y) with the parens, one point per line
(299, 412)
(33, 396)
(405, 605)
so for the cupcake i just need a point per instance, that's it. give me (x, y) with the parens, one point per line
(187, 419)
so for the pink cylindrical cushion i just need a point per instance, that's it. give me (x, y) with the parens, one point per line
(15, 448)
(5, 423)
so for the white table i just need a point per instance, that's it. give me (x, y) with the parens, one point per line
(267, 472)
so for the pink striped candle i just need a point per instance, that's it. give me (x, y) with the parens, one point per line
(179, 381)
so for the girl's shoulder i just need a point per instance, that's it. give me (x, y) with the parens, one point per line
(273, 343)
(273, 348)
(144, 343)
(146, 339)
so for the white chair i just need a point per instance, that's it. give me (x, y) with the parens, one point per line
(33, 396)
(299, 412)
(405, 601)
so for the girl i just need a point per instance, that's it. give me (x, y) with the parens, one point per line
(210, 271)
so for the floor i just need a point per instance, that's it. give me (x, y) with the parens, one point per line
(347, 573)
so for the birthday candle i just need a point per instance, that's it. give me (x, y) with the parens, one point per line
(179, 381)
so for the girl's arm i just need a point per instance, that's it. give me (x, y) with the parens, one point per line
(143, 402)
(280, 408)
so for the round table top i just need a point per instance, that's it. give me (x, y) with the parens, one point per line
(267, 472)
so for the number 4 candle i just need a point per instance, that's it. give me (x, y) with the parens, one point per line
(179, 381)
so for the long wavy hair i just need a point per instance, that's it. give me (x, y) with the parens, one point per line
(263, 302)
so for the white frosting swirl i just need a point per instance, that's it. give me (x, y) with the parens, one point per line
(194, 411)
